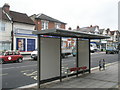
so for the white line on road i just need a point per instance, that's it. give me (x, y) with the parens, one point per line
(4, 74)
(20, 66)
(69, 61)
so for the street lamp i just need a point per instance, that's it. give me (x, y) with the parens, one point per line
(12, 36)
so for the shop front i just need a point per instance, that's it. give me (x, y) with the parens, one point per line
(24, 41)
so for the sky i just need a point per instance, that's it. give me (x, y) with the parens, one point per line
(82, 13)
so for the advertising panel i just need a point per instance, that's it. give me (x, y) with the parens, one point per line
(83, 53)
(50, 58)
(20, 44)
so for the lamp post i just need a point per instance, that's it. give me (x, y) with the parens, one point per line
(12, 40)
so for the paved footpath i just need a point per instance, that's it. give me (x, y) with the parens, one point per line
(97, 79)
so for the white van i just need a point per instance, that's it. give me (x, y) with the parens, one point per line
(34, 55)
(93, 47)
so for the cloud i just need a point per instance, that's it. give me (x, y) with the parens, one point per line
(73, 12)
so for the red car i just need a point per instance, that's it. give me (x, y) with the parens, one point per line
(9, 56)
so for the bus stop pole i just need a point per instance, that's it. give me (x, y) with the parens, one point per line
(38, 63)
(77, 55)
(60, 59)
(89, 57)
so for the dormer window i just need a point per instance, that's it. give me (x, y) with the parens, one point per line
(44, 24)
(96, 31)
(57, 25)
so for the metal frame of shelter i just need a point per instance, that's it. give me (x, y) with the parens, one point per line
(63, 33)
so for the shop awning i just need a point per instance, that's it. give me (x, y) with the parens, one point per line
(69, 33)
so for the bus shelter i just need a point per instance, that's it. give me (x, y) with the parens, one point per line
(49, 59)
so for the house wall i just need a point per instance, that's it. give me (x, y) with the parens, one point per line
(37, 24)
(7, 33)
(24, 26)
(5, 39)
(63, 26)
(23, 32)
(50, 25)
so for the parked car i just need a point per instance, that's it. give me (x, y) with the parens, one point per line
(34, 55)
(10, 56)
(111, 50)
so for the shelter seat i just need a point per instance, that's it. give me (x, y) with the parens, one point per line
(77, 68)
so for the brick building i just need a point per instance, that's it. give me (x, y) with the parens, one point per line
(43, 21)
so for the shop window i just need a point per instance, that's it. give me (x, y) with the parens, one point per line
(30, 44)
(20, 44)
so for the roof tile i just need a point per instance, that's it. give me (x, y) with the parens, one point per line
(20, 17)
(45, 17)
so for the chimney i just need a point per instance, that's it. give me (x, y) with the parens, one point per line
(91, 26)
(6, 8)
(97, 26)
(69, 28)
(108, 29)
(78, 27)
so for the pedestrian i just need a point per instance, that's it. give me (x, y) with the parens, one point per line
(100, 65)
(103, 64)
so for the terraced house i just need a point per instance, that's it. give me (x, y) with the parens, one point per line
(16, 30)
(103, 43)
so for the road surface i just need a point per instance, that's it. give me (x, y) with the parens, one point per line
(20, 74)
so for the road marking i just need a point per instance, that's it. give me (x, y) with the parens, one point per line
(69, 61)
(20, 67)
(26, 70)
(28, 86)
(4, 74)
(33, 73)
(35, 77)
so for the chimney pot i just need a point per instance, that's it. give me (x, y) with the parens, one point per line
(78, 27)
(6, 8)
(69, 28)
(91, 26)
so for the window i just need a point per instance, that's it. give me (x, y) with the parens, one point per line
(44, 25)
(20, 44)
(57, 25)
(2, 26)
(5, 46)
